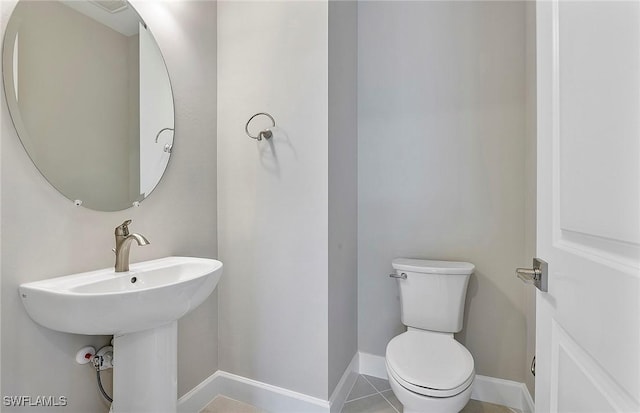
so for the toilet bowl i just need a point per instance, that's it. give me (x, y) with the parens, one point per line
(428, 370)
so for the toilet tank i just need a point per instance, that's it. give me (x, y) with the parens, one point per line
(433, 293)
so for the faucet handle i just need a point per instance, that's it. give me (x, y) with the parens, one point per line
(123, 229)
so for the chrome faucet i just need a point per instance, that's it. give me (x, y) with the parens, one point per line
(123, 245)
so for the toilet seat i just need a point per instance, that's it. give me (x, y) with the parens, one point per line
(430, 364)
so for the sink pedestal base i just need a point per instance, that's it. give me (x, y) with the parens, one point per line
(145, 372)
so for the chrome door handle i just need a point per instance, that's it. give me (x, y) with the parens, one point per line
(538, 275)
(527, 274)
(402, 275)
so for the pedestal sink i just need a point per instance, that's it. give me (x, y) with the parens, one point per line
(140, 308)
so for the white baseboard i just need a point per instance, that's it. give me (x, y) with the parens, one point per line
(266, 396)
(372, 365)
(200, 396)
(344, 386)
(261, 395)
(505, 392)
(486, 389)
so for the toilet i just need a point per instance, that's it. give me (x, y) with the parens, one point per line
(429, 371)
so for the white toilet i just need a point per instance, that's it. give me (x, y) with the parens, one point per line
(429, 371)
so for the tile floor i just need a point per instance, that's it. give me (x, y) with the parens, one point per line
(223, 404)
(368, 395)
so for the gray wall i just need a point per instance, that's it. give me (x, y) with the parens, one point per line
(44, 235)
(288, 206)
(273, 195)
(343, 188)
(441, 149)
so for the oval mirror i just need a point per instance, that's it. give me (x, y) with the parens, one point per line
(90, 98)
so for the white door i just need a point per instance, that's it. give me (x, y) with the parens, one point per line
(588, 323)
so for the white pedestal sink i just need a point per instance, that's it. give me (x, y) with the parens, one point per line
(140, 308)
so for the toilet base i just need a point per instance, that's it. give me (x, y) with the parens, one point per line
(417, 403)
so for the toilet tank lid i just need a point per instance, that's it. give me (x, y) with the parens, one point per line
(432, 267)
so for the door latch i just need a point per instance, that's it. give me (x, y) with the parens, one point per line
(533, 366)
(538, 275)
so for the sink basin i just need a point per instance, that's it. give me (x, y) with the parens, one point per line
(104, 302)
(140, 308)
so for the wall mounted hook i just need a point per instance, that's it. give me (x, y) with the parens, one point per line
(264, 134)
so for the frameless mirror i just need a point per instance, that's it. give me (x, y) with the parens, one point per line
(90, 98)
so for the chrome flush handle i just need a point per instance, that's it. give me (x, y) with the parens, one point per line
(401, 276)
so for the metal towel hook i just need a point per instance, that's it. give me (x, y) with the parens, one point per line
(266, 134)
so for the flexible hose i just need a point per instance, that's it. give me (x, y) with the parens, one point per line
(104, 393)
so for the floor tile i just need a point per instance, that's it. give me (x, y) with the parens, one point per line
(391, 398)
(475, 406)
(360, 389)
(371, 404)
(223, 404)
(380, 384)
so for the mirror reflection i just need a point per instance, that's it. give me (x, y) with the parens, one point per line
(90, 98)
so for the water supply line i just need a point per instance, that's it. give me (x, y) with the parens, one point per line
(98, 361)
(102, 391)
